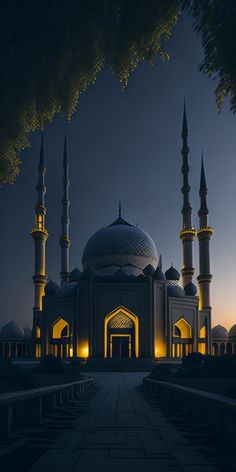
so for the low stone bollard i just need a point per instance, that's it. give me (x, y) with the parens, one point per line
(27, 408)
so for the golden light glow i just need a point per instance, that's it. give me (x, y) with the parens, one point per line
(188, 231)
(83, 350)
(184, 327)
(58, 327)
(130, 315)
(71, 351)
(207, 229)
(202, 332)
(160, 348)
(38, 332)
(38, 351)
(202, 348)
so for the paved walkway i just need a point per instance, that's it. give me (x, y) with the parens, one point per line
(121, 432)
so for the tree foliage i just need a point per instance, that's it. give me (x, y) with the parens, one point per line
(52, 51)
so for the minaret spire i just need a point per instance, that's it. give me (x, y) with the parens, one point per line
(40, 234)
(204, 235)
(65, 221)
(186, 209)
(187, 233)
(203, 211)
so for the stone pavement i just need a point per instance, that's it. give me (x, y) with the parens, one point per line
(121, 432)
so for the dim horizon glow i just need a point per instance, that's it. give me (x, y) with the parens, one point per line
(127, 146)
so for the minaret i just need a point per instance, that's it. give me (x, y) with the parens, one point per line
(187, 233)
(204, 235)
(40, 236)
(65, 221)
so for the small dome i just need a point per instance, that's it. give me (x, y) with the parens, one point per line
(74, 275)
(120, 244)
(219, 332)
(149, 270)
(190, 289)
(66, 290)
(158, 274)
(174, 289)
(51, 288)
(232, 332)
(172, 274)
(12, 330)
(27, 332)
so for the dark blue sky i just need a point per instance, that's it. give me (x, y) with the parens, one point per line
(126, 145)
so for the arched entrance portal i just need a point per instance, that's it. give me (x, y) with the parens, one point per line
(121, 334)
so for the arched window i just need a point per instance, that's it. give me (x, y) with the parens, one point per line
(215, 349)
(182, 338)
(184, 328)
(38, 332)
(222, 349)
(58, 328)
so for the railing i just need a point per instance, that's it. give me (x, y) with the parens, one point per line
(216, 408)
(26, 408)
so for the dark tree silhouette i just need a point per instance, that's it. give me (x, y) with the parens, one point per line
(52, 51)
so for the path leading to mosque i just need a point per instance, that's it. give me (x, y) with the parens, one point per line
(120, 431)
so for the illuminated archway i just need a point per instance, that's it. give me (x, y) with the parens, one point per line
(61, 338)
(182, 338)
(60, 328)
(123, 321)
(184, 327)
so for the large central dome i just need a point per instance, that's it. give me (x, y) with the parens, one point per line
(120, 244)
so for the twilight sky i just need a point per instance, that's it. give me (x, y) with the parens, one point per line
(127, 146)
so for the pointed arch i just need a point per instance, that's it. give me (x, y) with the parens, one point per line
(127, 314)
(58, 328)
(183, 327)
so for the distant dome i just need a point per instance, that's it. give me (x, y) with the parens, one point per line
(190, 289)
(27, 332)
(74, 275)
(219, 332)
(174, 289)
(172, 274)
(232, 332)
(51, 288)
(158, 274)
(12, 330)
(120, 244)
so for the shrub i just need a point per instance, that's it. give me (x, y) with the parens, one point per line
(51, 365)
(162, 370)
(193, 359)
(223, 366)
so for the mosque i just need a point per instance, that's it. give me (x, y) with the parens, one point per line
(121, 305)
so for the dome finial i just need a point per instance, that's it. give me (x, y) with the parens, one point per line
(120, 209)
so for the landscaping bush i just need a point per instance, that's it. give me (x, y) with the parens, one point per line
(223, 366)
(162, 370)
(192, 360)
(51, 365)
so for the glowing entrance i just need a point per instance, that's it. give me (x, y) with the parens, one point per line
(121, 334)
